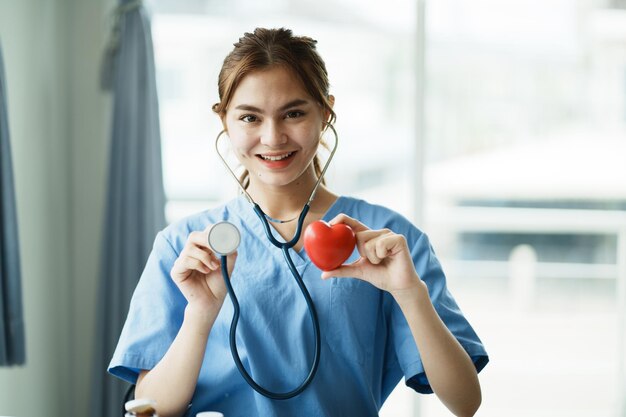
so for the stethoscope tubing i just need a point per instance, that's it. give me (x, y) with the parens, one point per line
(233, 333)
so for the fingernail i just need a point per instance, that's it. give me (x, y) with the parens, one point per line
(214, 265)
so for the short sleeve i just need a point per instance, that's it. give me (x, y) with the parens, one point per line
(154, 318)
(429, 269)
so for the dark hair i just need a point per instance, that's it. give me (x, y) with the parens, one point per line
(265, 48)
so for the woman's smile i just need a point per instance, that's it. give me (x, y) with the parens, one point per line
(277, 160)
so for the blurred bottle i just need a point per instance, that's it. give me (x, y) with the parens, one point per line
(141, 408)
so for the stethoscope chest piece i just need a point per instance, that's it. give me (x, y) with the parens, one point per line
(224, 238)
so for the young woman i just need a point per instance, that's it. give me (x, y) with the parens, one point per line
(385, 314)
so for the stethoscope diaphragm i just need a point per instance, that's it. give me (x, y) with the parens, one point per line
(224, 238)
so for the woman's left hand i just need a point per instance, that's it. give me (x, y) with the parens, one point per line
(385, 260)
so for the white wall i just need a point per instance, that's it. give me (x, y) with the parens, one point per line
(58, 123)
(90, 119)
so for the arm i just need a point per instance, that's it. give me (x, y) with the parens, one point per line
(450, 370)
(173, 380)
(387, 264)
(197, 273)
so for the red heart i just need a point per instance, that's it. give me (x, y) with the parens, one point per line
(328, 246)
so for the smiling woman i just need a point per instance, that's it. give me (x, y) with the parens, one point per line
(383, 315)
(371, 50)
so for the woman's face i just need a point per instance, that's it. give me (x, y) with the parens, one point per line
(274, 126)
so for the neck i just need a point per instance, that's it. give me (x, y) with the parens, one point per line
(285, 202)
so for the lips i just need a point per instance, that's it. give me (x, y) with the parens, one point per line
(277, 160)
(275, 157)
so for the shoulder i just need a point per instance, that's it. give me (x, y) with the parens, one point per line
(176, 233)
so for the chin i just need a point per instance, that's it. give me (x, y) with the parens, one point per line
(278, 183)
(276, 180)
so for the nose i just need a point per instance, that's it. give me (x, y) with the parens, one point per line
(272, 135)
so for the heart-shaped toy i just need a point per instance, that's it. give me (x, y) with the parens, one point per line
(328, 246)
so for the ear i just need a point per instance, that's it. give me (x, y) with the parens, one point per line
(222, 115)
(331, 101)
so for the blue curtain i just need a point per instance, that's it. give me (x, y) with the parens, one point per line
(135, 198)
(12, 345)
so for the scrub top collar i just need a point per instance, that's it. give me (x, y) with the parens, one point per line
(249, 218)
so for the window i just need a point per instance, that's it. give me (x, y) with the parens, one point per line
(525, 195)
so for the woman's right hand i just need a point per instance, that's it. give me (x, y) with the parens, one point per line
(198, 274)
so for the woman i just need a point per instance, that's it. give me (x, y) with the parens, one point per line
(386, 313)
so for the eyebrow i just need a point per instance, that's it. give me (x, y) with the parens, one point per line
(293, 103)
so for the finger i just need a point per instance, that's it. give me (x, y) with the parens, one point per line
(183, 265)
(206, 256)
(201, 239)
(362, 239)
(367, 242)
(388, 245)
(354, 224)
(193, 247)
(369, 251)
(367, 235)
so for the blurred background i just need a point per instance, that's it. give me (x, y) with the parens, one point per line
(498, 127)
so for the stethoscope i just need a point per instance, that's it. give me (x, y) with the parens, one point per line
(224, 238)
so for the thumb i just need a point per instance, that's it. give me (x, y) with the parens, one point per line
(352, 270)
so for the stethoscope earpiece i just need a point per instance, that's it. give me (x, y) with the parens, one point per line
(224, 238)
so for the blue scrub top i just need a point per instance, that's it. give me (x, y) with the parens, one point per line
(367, 346)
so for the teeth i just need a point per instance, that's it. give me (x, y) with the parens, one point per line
(276, 157)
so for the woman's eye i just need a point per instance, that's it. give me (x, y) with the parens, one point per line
(294, 114)
(248, 118)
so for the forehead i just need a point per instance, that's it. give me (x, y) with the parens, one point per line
(274, 84)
